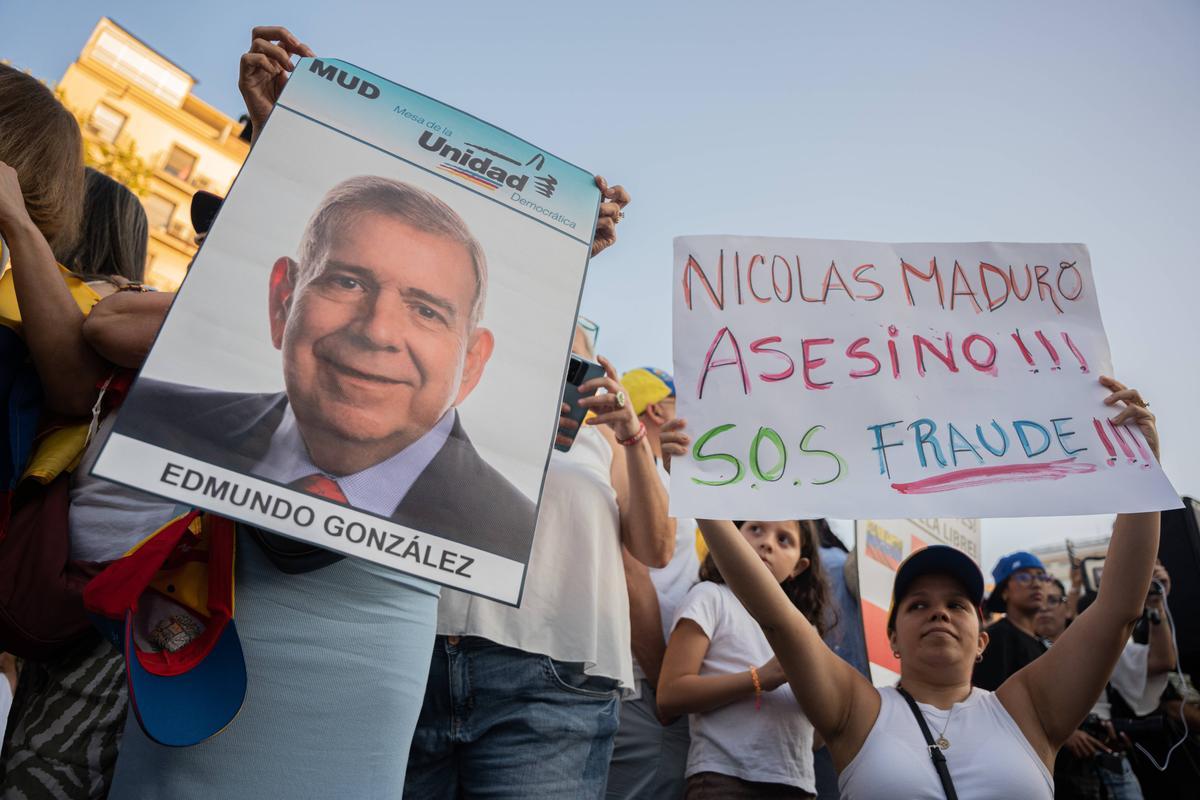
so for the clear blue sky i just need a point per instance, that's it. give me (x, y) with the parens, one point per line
(1070, 121)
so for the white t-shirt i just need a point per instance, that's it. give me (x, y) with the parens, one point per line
(576, 604)
(671, 583)
(772, 744)
(1129, 678)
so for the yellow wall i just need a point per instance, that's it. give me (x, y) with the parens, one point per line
(155, 125)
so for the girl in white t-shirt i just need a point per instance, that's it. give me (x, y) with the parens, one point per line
(749, 736)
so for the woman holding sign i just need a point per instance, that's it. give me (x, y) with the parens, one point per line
(934, 733)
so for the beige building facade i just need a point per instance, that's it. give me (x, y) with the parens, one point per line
(1057, 561)
(126, 92)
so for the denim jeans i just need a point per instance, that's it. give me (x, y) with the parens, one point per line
(500, 723)
(1121, 785)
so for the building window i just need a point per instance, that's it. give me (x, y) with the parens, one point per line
(159, 211)
(180, 163)
(140, 68)
(107, 122)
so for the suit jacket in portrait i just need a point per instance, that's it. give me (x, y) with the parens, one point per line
(459, 496)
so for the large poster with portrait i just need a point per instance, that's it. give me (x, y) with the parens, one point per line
(366, 357)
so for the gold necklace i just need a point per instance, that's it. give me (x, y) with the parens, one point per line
(941, 741)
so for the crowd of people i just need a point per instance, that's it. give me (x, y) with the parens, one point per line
(644, 661)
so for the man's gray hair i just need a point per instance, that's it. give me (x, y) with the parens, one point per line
(356, 197)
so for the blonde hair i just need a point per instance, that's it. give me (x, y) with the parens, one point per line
(40, 140)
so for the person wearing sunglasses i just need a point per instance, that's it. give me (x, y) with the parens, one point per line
(1021, 582)
(1055, 614)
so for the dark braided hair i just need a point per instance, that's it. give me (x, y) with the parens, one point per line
(808, 591)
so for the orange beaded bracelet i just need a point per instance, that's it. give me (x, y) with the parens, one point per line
(757, 688)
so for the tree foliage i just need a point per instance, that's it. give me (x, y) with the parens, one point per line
(120, 161)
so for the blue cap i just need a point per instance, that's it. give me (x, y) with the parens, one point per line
(188, 708)
(1004, 569)
(1012, 562)
(168, 606)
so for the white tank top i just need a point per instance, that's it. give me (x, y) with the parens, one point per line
(575, 606)
(989, 758)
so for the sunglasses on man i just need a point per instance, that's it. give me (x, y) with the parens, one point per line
(1026, 578)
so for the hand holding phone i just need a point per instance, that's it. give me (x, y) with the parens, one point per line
(579, 372)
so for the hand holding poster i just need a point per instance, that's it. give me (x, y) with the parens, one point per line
(368, 352)
(857, 379)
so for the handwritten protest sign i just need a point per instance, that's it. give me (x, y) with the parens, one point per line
(880, 546)
(368, 352)
(856, 379)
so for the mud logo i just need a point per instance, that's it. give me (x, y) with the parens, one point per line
(343, 79)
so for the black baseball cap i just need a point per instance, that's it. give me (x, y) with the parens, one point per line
(938, 559)
(205, 206)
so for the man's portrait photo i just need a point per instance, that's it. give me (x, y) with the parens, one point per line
(366, 355)
(377, 321)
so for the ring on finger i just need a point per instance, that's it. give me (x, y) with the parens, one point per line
(620, 399)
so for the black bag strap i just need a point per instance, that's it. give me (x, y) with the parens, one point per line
(290, 556)
(935, 753)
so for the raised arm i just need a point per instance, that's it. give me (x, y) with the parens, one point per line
(1162, 655)
(123, 326)
(50, 318)
(613, 200)
(264, 69)
(1045, 706)
(840, 703)
(646, 529)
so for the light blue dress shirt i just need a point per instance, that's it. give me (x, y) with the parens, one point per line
(336, 660)
(378, 489)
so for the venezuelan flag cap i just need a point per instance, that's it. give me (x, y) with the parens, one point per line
(167, 605)
(647, 385)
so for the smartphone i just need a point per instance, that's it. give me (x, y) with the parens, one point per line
(579, 372)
